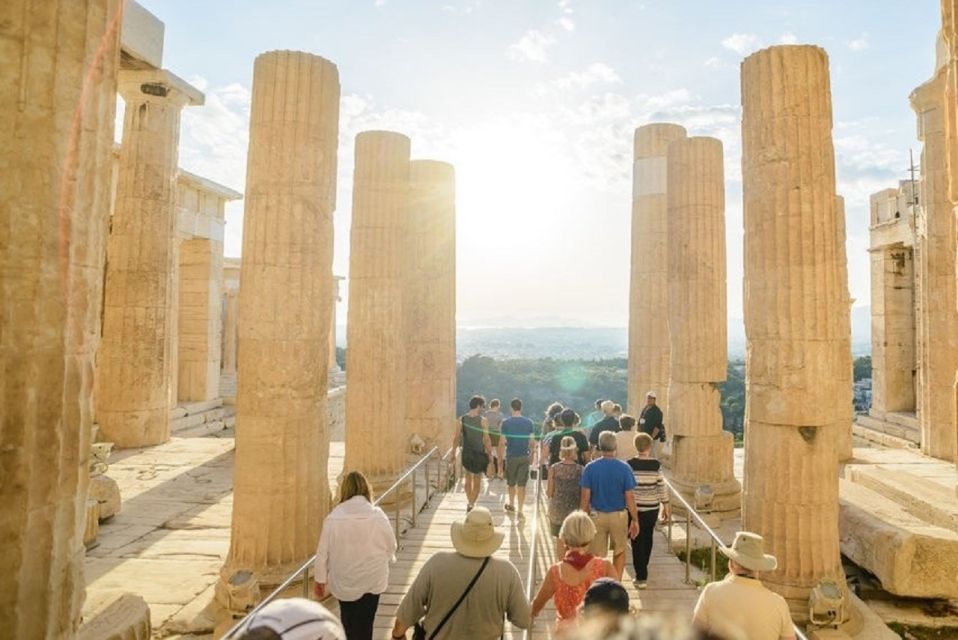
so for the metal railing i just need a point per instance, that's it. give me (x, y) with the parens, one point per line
(715, 541)
(534, 535)
(410, 475)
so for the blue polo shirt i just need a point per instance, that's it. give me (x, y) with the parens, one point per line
(608, 479)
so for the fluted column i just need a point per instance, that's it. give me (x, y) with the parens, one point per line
(57, 108)
(648, 287)
(230, 328)
(698, 324)
(938, 319)
(949, 32)
(280, 490)
(846, 380)
(200, 316)
(135, 365)
(430, 302)
(792, 296)
(376, 441)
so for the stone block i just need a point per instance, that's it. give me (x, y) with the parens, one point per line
(127, 618)
(106, 492)
(929, 501)
(141, 37)
(909, 556)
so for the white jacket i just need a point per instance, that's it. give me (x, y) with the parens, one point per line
(355, 549)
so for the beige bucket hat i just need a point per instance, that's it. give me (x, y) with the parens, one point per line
(748, 550)
(476, 535)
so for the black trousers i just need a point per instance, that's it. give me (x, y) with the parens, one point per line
(642, 543)
(358, 616)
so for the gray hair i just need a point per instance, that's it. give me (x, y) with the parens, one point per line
(577, 529)
(607, 441)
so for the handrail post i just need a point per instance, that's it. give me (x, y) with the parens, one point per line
(397, 504)
(412, 481)
(688, 544)
(306, 583)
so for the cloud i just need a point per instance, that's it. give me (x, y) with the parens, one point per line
(595, 73)
(566, 23)
(860, 43)
(532, 46)
(741, 43)
(380, 3)
(788, 38)
(714, 63)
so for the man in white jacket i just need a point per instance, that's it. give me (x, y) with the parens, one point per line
(352, 561)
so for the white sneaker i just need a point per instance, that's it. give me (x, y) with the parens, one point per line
(640, 584)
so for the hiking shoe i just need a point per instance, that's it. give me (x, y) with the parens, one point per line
(508, 507)
(640, 584)
(469, 507)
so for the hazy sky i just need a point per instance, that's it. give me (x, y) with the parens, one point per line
(535, 104)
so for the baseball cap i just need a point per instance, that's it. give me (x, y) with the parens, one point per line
(298, 619)
(606, 596)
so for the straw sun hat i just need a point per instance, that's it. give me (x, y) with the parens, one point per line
(476, 535)
(748, 551)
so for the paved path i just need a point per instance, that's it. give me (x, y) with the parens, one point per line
(666, 594)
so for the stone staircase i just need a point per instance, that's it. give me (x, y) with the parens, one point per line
(899, 521)
(891, 429)
(195, 419)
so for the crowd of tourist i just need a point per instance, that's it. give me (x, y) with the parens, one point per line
(605, 492)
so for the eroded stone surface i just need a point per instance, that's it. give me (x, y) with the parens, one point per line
(376, 440)
(284, 311)
(648, 285)
(57, 109)
(701, 450)
(795, 341)
(429, 302)
(126, 618)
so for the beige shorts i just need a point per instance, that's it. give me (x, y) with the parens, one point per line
(611, 530)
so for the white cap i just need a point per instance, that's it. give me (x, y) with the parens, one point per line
(650, 394)
(298, 619)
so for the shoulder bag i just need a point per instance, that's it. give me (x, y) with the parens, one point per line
(419, 631)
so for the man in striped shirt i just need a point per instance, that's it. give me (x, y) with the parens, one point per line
(650, 494)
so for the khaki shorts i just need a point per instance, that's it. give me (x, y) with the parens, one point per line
(517, 471)
(611, 530)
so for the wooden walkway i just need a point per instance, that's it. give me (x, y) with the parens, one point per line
(666, 594)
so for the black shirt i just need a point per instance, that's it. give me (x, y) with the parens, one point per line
(555, 445)
(608, 423)
(650, 418)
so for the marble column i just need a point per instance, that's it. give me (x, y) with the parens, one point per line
(333, 364)
(280, 489)
(949, 32)
(57, 108)
(793, 301)
(135, 364)
(702, 452)
(376, 441)
(846, 381)
(936, 240)
(200, 299)
(430, 302)
(648, 287)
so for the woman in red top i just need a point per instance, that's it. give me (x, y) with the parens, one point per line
(567, 581)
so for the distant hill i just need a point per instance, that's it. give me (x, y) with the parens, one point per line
(563, 342)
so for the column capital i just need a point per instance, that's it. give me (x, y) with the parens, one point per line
(157, 85)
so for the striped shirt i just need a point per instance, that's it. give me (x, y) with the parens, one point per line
(650, 490)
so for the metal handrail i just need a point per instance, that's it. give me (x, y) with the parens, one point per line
(304, 568)
(531, 570)
(692, 514)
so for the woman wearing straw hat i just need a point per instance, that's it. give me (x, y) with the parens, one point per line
(740, 606)
(465, 593)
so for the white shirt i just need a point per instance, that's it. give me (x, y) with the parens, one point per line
(625, 445)
(355, 549)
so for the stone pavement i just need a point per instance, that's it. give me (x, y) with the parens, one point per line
(171, 535)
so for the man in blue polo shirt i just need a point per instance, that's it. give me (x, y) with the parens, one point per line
(607, 485)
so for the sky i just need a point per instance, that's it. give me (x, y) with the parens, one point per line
(535, 103)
